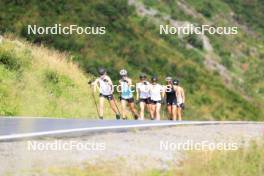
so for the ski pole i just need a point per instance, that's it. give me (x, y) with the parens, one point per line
(116, 105)
(90, 82)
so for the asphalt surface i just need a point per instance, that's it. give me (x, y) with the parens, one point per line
(12, 128)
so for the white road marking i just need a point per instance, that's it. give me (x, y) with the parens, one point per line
(45, 133)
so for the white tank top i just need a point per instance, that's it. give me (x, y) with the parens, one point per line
(104, 87)
(155, 92)
(143, 90)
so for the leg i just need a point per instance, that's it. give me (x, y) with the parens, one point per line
(113, 106)
(133, 109)
(101, 106)
(123, 111)
(169, 110)
(174, 112)
(158, 106)
(179, 113)
(149, 107)
(152, 111)
(142, 108)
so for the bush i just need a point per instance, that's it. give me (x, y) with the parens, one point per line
(9, 61)
(227, 62)
(195, 41)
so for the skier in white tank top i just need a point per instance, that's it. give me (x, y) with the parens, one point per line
(156, 98)
(105, 85)
(143, 95)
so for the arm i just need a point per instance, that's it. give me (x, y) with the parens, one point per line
(95, 84)
(119, 88)
(163, 92)
(129, 81)
(137, 92)
(131, 86)
(183, 95)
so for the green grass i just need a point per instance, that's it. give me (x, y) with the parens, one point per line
(245, 161)
(36, 81)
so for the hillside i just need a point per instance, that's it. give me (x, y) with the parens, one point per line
(36, 81)
(222, 75)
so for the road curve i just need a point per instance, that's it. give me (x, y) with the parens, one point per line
(15, 128)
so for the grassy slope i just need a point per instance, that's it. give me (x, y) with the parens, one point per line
(133, 42)
(244, 161)
(36, 81)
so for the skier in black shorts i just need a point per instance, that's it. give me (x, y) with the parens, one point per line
(156, 96)
(179, 91)
(105, 85)
(143, 95)
(126, 95)
(171, 99)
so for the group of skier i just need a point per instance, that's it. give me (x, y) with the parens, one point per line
(150, 95)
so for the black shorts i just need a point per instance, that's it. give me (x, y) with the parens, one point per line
(108, 97)
(145, 100)
(155, 102)
(129, 100)
(180, 106)
(171, 102)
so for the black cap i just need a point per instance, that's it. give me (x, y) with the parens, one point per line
(101, 71)
(176, 82)
(154, 79)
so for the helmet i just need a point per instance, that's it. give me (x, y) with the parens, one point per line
(168, 78)
(176, 82)
(123, 72)
(101, 71)
(154, 79)
(142, 76)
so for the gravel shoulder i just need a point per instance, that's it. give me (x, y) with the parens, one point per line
(137, 149)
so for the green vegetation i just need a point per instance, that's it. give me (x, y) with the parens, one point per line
(36, 81)
(133, 42)
(245, 161)
(249, 12)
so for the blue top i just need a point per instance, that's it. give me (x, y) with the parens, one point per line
(126, 91)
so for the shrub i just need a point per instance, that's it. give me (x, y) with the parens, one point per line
(227, 62)
(10, 61)
(195, 41)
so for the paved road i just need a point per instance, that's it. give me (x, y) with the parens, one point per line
(16, 128)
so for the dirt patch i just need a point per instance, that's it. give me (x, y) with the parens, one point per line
(139, 150)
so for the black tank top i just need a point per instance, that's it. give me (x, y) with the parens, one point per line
(170, 92)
